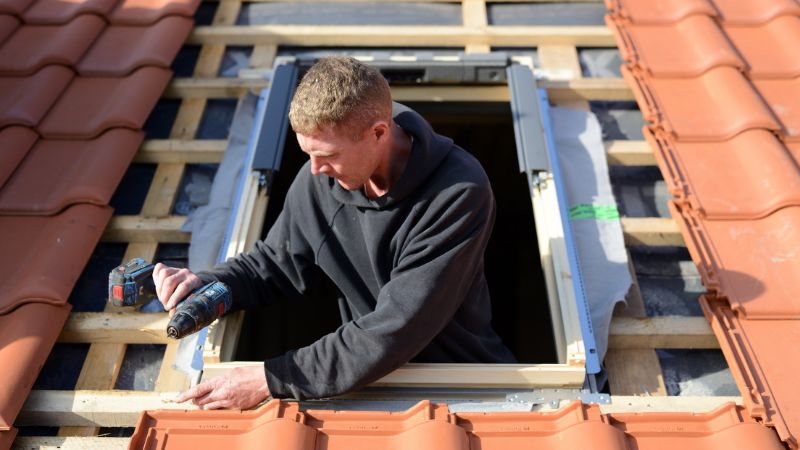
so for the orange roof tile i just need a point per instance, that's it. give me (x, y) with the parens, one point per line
(283, 425)
(15, 7)
(15, 142)
(727, 139)
(58, 12)
(146, 12)
(7, 26)
(25, 100)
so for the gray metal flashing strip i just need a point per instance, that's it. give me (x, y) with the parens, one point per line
(531, 144)
(274, 127)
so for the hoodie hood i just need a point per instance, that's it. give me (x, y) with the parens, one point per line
(427, 151)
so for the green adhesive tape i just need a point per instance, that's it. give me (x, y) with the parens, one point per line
(597, 212)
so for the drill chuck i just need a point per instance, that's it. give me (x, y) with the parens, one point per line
(198, 311)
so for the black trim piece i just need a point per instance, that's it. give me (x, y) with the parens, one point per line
(275, 125)
(531, 143)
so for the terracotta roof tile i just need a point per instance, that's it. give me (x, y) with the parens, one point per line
(34, 46)
(56, 174)
(658, 12)
(772, 181)
(770, 50)
(122, 49)
(26, 338)
(36, 249)
(45, 12)
(718, 104)
(768, 382)
(7, 26)
(15, 143)
(92, 105)
(16, 7)
(25, 100)
(783, 97)
(7, 437)
(685, 48)
(754, 12)
(282, 425)
(144, 12)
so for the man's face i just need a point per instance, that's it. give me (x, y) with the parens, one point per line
(334, 153)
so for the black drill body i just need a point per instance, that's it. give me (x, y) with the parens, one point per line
(201, 308)
(131, 284)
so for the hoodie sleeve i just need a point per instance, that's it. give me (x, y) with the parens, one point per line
(280, 266)
(437, 267)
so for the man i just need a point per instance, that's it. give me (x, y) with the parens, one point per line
(395, 214)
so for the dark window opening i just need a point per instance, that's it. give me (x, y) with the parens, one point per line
(519, 295)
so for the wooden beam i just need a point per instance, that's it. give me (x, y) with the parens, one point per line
(185, 151)
(163, 190)
(457, 375)
(70, 443)
(652, 231)
(692, 404)
(629, 153)
(403, 36)
(661, 332)
(146, 229)
(473, 15)
(130, 327)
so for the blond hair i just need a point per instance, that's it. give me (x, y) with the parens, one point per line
(343, 93)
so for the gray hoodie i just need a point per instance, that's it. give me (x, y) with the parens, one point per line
(409, 264)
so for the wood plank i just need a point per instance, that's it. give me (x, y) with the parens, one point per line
(692, 404)
(190, 113)
(130, 228)
(403, 36)
(163, 190)
(70, 443)
(263, 56)
(561, 63)
(661, 332)
(653, 231)
(181, 151)
(457, 375)
(473, 14)
(634, 371)
(131, 327)
(629, 153)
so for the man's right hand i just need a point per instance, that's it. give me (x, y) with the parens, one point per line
(173, 285)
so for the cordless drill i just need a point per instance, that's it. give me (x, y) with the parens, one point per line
(131, 284)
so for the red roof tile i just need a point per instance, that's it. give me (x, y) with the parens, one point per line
(53, 175)
(783, 97)
(754, 12)
(25, 100)
(658, 12)
(63, 11)
(686, 48)
(15, 143)
(7, 437)
(26, 338)
(145, 12)
(16, 7)
(282, 425)
(36, 248)
(7, 26)
(767, 187)
(123, 49)
(34, 46)
(716, 105)
(91, 105)
(770, 50)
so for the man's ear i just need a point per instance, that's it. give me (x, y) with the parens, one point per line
(380, 130)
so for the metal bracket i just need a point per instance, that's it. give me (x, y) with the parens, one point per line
(553, 397)
(528, 125)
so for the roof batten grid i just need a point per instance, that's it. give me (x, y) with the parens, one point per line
(66, 140)
(723, 128)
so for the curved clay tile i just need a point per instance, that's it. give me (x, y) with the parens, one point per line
(54, 12)
(7, 26)
(683, 49)
(91, 105)
(714, 106)
(15, 7)
(122, 49)
(145, 12)
(658, 12)
(56, 174)
(25, 100)
(783, 97)
(15, 143)
(753, 174)
(35, 46)
(45, 255)
(771, 49)
(754, 12)
(26, 337)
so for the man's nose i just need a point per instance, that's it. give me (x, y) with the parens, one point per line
(317, 167)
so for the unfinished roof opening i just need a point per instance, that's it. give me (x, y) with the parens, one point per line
(513, 269)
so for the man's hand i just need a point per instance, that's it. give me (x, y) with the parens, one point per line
(173, 285)
(241, 388)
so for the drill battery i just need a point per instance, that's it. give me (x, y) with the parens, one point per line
(131, 284)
